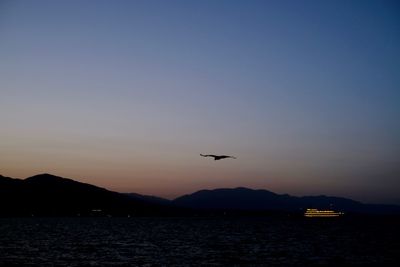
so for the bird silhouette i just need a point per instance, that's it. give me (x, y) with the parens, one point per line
(216, 157)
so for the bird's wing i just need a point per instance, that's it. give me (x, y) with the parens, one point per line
(208, 155)
(225, 156)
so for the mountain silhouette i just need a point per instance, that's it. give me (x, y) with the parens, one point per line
(245, 199)
(49, 195)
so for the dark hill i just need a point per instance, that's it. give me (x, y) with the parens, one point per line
(245, 199)
(237, 198)
(49, 195)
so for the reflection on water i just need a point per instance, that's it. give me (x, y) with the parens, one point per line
(197, 241)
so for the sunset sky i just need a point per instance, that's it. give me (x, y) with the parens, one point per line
(127, 94)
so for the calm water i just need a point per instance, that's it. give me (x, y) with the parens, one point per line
(198, 241)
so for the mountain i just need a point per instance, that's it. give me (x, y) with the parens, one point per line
(245, 199)
(226, 198)
(49, 195)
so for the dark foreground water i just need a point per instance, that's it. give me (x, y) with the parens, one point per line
(199, 241)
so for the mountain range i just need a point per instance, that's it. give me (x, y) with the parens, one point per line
(49, 195)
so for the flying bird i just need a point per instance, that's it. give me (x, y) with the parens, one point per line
(216, 157)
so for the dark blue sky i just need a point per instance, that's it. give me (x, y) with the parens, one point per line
(126, 94)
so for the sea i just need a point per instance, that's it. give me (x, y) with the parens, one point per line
(200, 241)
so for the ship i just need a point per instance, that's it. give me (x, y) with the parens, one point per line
(322, 213)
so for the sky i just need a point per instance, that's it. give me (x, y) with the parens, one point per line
(127, 94)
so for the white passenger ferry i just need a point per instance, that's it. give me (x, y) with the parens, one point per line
(322, 213)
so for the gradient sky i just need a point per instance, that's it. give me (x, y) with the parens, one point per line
(126, 94)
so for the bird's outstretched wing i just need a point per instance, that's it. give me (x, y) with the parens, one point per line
(226, 157)
(208, 155)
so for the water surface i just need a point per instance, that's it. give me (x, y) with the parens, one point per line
(198, 241)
